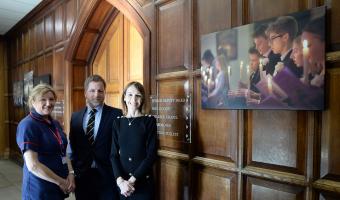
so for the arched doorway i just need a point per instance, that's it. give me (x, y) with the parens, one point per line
(85, 44)
(119, 58)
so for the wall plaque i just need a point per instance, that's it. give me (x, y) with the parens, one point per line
(173, 115)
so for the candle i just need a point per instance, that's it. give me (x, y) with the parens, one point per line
(248, 75)
(210, 71)
(305, 52)
(241, 69)
(229, 71)
(270, 86)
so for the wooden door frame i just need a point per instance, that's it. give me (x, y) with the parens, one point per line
(78, 40)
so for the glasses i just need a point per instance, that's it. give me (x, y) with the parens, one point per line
(271, 39)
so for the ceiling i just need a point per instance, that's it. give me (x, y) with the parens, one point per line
(12, 11)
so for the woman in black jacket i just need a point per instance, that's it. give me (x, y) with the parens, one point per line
(134, 146)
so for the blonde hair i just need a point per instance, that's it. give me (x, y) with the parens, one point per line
(39, 91)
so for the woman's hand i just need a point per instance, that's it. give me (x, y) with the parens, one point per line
(126, 188)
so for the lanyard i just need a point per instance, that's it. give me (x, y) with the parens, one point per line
(55, 133)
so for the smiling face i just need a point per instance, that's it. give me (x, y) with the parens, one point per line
(95, 94)
(44, 104)
(133, 99)
(261, 44)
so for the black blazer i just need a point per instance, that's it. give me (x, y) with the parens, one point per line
(83, 153)
(254, 79)
(288, 62)
(270, 66)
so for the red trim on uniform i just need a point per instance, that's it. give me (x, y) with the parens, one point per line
(29, 143)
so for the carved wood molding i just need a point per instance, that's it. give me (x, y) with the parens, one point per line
(327, 185)
(333, 56)
(275, 175)
(219, 164)
(173, 155)
(172, 75)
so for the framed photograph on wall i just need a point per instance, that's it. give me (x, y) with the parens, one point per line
(277, 63)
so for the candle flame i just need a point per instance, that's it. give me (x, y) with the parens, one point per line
(305, 43)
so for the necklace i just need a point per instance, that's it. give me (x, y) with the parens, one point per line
(130, 122)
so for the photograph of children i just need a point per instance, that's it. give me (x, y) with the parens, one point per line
(277, 63)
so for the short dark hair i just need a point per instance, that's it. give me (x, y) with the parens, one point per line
(208, 56)
(260, 31)
(93, 78)
(317, 27)
(253, 50)
(283, 25)
(140, 88)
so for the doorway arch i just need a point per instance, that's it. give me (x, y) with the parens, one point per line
(87, 34)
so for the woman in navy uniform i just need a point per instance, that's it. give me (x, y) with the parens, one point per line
(47, 173)
(134, 146)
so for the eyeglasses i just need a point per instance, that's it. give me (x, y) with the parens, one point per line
(271, 39)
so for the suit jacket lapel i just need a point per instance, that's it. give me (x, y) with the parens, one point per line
(79, 121)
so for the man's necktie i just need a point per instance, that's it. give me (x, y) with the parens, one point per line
(90, 126)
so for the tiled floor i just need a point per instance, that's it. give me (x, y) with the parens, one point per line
(10, 181)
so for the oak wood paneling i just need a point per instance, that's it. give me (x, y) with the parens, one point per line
(166, 88)
(102, 11)
(214, 184)
(260, 9)
(281, 142)
(39, 33)
(85, 45)
(217, 131)
(330, 139)
(173, 184)
(49, 30)
(213, 15)
(59, 23)
(70, 15)
(171, 34)
(259, 189)
(59, 69)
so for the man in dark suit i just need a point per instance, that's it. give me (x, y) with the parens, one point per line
(270, 59)
(90, 144)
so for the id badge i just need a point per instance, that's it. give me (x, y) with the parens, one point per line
(63, 160)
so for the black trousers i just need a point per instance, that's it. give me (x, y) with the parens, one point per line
(92, 185)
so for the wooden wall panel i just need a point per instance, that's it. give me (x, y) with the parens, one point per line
(217, 11)
(330, 139)
(32, 41)
(259, 9)
(216, 131)
(59, 23)
(49, 30)
(39, 33)
(281, 142)
(59, 69)
(134, 53)
(173, 184)
(172, 88)
(70, 15)
(259, 189)
(334, 29)
(171, 34)
(214, 184)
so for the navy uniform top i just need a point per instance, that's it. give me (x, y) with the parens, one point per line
(49, 141)
(134, 147)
